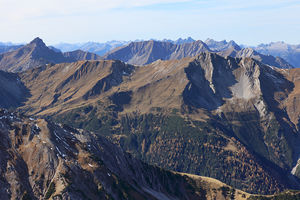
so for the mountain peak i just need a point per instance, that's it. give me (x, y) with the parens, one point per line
(182, 41)
(32, 55)
(38, 41)
(209, 41)
(221, 45)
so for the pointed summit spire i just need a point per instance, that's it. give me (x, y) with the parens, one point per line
(37, 41)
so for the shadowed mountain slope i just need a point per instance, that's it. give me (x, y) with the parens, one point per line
(13, 93)
(81, 55)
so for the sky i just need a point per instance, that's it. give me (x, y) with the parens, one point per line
(72, 21)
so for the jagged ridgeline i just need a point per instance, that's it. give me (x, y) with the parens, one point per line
(234, 119)
(145, 52)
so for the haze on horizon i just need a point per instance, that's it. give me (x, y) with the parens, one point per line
(75, 21)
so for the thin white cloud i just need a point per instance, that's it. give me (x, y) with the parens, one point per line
(101, 20)
(17, 10)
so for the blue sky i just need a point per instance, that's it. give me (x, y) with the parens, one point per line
(247, 22)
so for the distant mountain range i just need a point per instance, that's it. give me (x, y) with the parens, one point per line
(279, 50)
(145, 52)
(178, 41)
(290, 53)
(222, 45)
(94, 47)
(36, 53)
(8, 47)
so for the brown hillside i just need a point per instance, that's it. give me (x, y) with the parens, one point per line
(233, 108)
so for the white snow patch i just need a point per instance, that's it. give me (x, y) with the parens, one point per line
(56, 135)
(295, 168)
(37, 127)
(274, 78)
(60, 153)
(66, 143)
(156, 194)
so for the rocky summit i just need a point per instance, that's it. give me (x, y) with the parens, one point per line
(36, 54)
